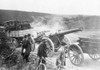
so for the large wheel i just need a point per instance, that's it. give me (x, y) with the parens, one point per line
(51, 45)
(95, 55)
(42, 67)
(75, 54)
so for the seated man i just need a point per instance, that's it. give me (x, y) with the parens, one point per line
(42, 51)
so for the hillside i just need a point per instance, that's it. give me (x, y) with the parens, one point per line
(70, 21)
(87, 22)
(6, 15)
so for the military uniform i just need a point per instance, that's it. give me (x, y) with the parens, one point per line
(26, 49)
(42, 51)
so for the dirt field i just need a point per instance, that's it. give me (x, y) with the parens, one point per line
(88, 64)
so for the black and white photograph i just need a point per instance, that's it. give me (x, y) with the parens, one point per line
(49, 34)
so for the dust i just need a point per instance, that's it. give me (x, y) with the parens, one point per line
(52, 26)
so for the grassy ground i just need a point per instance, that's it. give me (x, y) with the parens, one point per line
(22, 65)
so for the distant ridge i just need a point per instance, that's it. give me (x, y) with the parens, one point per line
(71, 21)
(6, 15)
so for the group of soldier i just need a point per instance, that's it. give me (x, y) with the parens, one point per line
(27, 48)
(41, 52)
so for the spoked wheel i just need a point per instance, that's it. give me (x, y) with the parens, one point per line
(95, 55)
(50, 46)
(42, 67)
(75, 54)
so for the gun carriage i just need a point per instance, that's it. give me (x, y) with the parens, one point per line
(89, 45)
(56, 40)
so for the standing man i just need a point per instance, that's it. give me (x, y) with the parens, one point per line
(42, 51)
(32, 42)
(26, 48)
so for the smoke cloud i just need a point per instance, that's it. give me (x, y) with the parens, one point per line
(53, 25)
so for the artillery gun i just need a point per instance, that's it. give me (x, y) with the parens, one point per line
(56, 40)
(59, 38)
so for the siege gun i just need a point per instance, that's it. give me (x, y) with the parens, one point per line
(57, 38)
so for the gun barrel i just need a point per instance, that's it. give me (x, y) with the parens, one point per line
(70, 31)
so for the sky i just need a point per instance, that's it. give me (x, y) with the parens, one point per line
(63, 7)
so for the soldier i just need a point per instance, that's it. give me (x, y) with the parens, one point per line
(30, 39)
(26, 48)
(42, 51)
(61, 60)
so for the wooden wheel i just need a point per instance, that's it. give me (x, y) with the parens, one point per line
(95, 55)
(75, 54)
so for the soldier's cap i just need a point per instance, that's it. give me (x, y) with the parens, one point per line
(25, 36)
(29, 35)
